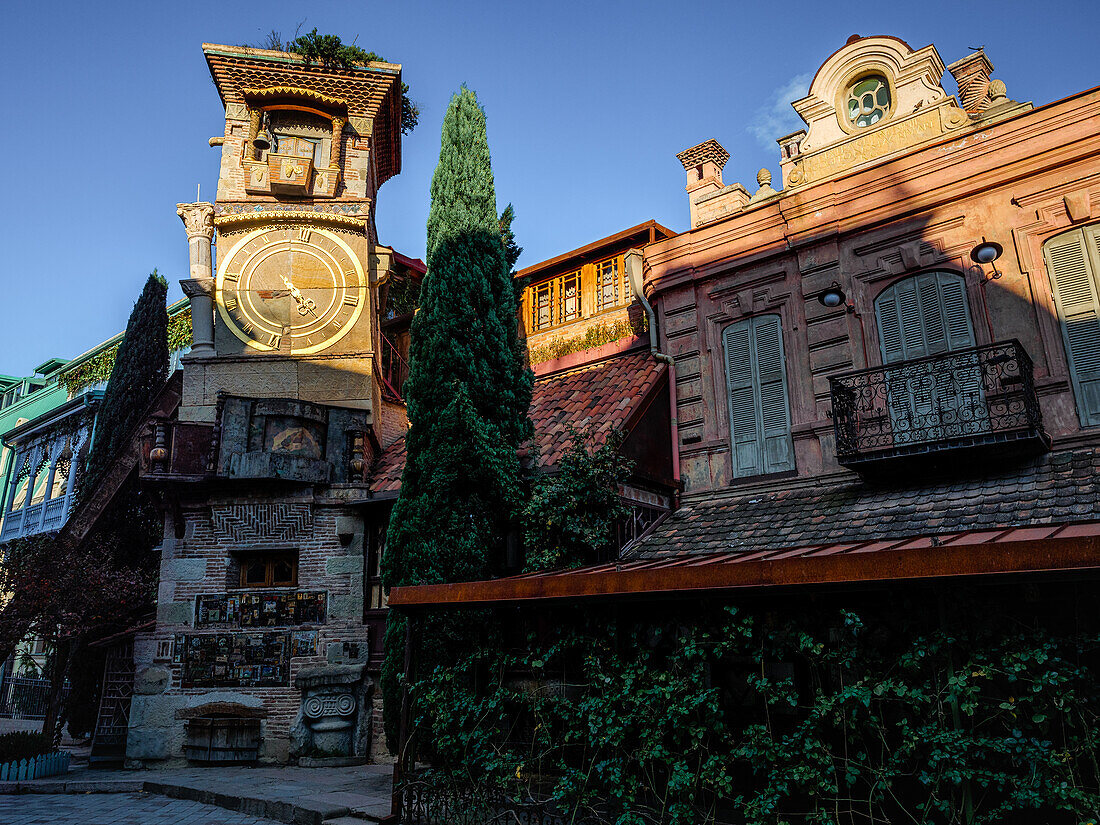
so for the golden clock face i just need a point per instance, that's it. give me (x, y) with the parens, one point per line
(290, 289)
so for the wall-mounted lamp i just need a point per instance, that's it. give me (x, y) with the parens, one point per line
(986, 253)
(832, 297)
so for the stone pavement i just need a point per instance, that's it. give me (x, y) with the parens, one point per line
(115, 809)
(304, 796)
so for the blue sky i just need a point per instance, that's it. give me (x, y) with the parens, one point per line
(110, 105)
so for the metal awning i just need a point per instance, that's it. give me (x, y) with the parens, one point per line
(1034, 549)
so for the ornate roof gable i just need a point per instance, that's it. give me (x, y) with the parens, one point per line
(874, 97)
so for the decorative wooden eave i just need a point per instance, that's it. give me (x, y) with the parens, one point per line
(295, 98)
(638, 235)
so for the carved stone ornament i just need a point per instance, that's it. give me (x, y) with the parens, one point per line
(915, 108)
(282, 522)
(198, 287)
(332, 719)
(198, 219)
(764, 180)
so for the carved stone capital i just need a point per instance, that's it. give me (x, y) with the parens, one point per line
(198, 287)
(198, 218)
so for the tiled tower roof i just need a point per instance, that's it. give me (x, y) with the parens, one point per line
(372, 91)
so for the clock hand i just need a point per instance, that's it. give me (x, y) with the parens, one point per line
(305, 305)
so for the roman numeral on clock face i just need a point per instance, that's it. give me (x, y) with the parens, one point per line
(231, 304)
(303, 235)
(274, 340)
(231, 277)
(351, 300)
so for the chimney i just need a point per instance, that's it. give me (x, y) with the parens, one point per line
(972, 74)
(703, 165)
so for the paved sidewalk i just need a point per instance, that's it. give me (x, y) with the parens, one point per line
(116, 809)
(304, 796)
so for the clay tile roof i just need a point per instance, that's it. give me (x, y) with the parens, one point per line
(386, 480)
(1056, 489)
(600, 397)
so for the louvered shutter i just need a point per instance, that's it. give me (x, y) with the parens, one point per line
(775, 423)
(931, 312)
(926, 315)
(956, 314)
(758, 407)
(1073, 261)
(744, 424)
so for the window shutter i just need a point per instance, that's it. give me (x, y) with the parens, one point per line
(919, 316)
(956, 313)
(934, 337)
(744, 423)
(889, 327)
(775, 421)
(1074, 278)
(758, 407)
(924, 315)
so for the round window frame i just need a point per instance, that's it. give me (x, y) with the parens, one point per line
(841, 98)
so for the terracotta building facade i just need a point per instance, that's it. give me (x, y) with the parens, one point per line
(864, 262)
(885, 370)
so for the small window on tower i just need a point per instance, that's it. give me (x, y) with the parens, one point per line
(299, 147)
(269, 570)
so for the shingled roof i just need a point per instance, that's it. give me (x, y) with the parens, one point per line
(596, 398)
(1058, 488)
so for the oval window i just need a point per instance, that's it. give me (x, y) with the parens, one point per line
(868, 101)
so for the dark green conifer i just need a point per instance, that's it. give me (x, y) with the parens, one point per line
(139, 373)
(468, 389)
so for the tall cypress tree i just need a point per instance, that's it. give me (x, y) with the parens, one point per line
(139, 373)
(468, 390)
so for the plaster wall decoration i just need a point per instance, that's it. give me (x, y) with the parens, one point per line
(909, 106)
(282, 522)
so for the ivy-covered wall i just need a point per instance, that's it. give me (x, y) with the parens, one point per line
(98, 368)
(951, 704)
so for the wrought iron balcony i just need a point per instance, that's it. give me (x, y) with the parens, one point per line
(973, 398)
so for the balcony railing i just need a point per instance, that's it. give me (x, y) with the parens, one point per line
(35, 518)
(963, 399)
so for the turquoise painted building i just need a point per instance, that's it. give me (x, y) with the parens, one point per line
(47, 421)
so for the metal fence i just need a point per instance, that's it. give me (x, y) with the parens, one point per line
(25, 698)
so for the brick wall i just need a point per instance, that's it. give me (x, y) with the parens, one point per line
(201, 563)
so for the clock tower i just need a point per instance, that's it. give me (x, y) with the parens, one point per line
(290, 307)
(264, 634)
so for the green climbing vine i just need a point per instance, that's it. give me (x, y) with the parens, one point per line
(97, 369)
(330, 50)
(885, 709)
(594, 336)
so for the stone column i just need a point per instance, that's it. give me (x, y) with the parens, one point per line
(198, 218)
